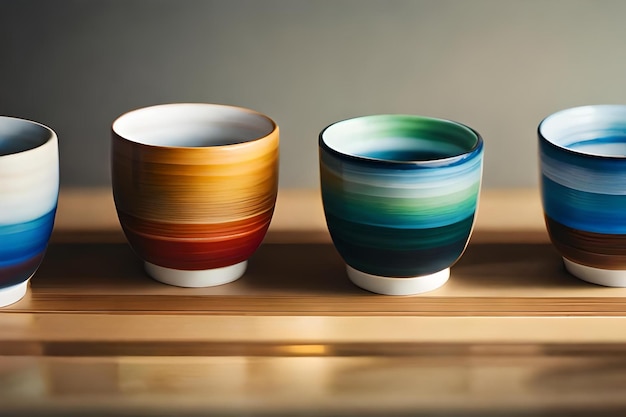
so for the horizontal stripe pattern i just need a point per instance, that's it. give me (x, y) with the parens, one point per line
(353, 197)
(591, 212)
(195, 208)
(22, 240)
(195, 246)
(22, 247)
(583, 184)
(217, 191)
(29, 182)
(29, 188)
(400, 220)
(18, 272)
(583, 172)
(598, 250)
(584, 190)
(399, 252)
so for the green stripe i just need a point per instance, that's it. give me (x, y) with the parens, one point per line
(409, 126)
(418, 212)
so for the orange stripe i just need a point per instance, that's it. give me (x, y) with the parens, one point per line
(184, 231)
(195, 185)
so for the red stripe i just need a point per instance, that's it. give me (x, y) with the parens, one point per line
(195, 246)
(193, 230)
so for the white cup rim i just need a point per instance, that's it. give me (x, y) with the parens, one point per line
(250, 125)
(10, 130)
(330, 146)
(565, 127)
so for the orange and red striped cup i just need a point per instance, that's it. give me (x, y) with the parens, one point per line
(195, 188)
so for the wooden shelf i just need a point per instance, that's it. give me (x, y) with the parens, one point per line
(509, 287)
(492, 279)
(508, 313)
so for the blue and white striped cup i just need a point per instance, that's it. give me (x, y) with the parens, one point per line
(582, 153)
(29, 188)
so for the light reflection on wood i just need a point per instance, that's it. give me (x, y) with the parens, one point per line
(323, 386)
(510, 334)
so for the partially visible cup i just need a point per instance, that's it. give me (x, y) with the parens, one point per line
(400, 194)
(582, 153)
(195, 188)
(29, 189)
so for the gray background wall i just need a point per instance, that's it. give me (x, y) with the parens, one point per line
(496, 65)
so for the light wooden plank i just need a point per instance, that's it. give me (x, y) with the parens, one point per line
(310, 330)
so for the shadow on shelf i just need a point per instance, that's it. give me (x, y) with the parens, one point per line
(309, 279)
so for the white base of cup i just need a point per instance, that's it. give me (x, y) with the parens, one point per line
(196, 279)
(606, 277)
(398, 286)
(13, 294)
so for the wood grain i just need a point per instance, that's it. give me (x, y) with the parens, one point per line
(511, 333)
(93, 299)
(492, 279)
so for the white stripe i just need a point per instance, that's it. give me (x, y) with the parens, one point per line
(29, 183)
(583, 179)
(411, 184)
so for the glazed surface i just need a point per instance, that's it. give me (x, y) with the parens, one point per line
(404, 217)
(196, 207)
(29, 187)
(583, 177)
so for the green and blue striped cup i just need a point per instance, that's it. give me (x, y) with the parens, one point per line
(400, 194)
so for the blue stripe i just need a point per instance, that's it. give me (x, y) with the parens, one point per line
(582, 173)
(581, 210)
(22, 241)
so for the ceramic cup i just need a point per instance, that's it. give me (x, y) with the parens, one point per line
(400, 193)
(582, 154)
(195, 187)
(29, 189)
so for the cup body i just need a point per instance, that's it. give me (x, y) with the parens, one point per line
(582, 153)
(400, 194)
(195, 187)
(29, 189)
